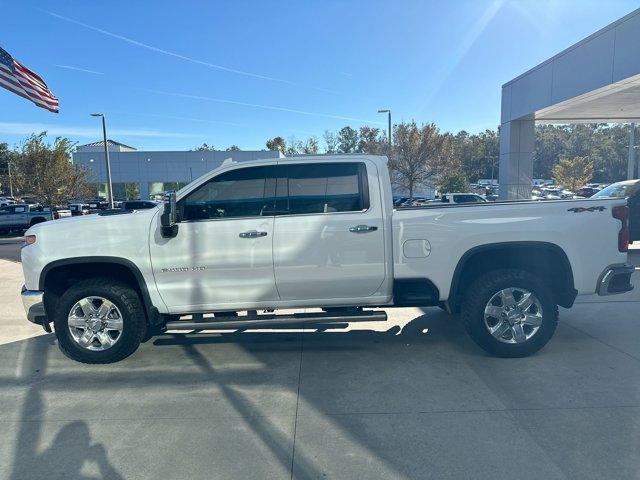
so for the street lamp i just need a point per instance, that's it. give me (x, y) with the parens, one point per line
(106, 155)
(388, 112)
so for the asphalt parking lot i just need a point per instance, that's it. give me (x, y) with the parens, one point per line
(409, 398)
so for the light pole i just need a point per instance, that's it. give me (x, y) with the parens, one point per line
(388, 112)
(106, 155)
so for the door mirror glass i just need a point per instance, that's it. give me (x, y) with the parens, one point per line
(169, 217)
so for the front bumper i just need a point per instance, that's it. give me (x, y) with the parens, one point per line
(615, 279)
(33, 303)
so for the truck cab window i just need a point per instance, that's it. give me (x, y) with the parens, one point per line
(237, 193)
(326, 188)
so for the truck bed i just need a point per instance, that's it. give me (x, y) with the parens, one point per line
(429, 239)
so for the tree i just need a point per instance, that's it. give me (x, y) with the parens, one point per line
(204, 148)
(233, 148)
(45, 171)
(573, 173)
(294, 146)
(6, 156)
(420, 155)
(451, 182)
(372, 141)
(347, 140)
(277, 143)
(311, 146)
(330, 142)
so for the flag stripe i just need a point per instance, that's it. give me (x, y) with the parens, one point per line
(20, 91)
(31, 76)
(27, 89)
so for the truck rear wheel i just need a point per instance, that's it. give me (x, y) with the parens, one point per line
(99, 321)
(509, 313)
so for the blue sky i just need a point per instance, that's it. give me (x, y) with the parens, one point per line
(171, 75)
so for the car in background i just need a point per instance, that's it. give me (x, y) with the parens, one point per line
(462, 198)
(60, 212)
(21, 216)
(138, 204)
(5, 201)
(78, 209)
(587, 191)
(629, 189)
(97, 206)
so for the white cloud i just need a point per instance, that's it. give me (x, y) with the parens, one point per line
(78, 69)
(187, 58)
(265, 107)
(10, 128)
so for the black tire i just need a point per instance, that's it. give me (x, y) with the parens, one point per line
(480, 293)
(128, 302)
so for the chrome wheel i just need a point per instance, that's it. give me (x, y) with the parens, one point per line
(513, 315)
(95, 323)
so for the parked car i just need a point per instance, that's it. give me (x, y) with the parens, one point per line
(587, 192)
(60, 212)
(21, 216)
(462, 198)
(79, 209)
(4, 201)
(629, 189)
(138, 204)
(96, 206)
(317, 232)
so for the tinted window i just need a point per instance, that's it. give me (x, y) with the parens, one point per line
(238, 193)
(326, 187)
(467, 199)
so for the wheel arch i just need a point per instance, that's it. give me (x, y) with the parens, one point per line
(540, 258)
(57, 275)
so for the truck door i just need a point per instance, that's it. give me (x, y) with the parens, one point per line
(329, 238)
(222, 255)
(19, 217)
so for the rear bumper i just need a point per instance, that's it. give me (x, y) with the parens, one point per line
(615, 279)
(33, 303)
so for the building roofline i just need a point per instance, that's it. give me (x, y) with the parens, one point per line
(603, 30)
(101, 142)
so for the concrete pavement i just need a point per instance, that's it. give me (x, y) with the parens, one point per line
(410, 398)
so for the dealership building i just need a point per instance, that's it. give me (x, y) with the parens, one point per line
(595, 80)
(144, 174)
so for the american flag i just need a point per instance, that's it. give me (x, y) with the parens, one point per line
(18, 79)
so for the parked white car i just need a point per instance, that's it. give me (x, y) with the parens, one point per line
(317, 232)
(5, 201)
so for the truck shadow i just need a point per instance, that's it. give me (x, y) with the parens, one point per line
(53, 434)
(67, 420)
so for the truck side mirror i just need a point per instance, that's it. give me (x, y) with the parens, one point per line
(169, 218)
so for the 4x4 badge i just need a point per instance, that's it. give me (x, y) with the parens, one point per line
(590, 209)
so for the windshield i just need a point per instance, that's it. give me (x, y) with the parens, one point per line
(617, 190)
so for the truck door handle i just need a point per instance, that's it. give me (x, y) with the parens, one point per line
(253, 234)
(363, 228)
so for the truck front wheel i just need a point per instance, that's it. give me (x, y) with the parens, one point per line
(509, 313)
(99, 321)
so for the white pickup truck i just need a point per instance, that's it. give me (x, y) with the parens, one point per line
(320, 232)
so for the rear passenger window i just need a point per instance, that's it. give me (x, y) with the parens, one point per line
(326, 188)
